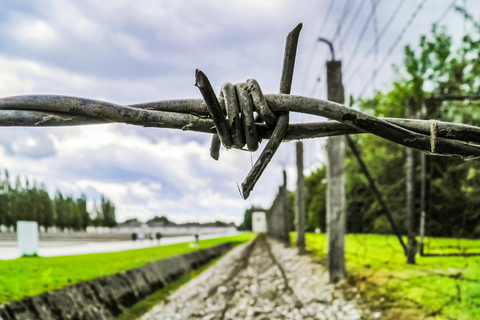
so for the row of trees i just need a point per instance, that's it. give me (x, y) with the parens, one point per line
(31, 202)
(442, 84)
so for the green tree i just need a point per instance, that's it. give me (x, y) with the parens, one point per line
(61, 211)
(6, 202)
(247, 220)
(163, 219)
(108, 212)
(98, 218)
(75, 215)
(85, 216)
(316, 190)
(45, 206)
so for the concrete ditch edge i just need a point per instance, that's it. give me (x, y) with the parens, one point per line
(108, 296)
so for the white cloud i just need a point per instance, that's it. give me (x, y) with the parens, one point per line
(35, 33)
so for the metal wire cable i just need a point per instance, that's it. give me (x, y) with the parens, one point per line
(315, 45)
(392, 47)
(445, 12)
(360, 38)
(346, 10)
(375, 32)
(377, 39)
(327, 16)
(352, 23)
(193, 115)
(197, 115)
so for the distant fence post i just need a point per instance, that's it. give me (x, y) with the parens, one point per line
(336, 202)
(423, 189)
(277, 216)
(410, 193)
(300, 200)
(286, 217)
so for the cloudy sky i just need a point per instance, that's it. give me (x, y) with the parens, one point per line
(138, 51)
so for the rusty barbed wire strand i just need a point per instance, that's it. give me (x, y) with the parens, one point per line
(194, 115)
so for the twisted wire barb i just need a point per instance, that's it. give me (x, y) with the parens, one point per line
(194, 115)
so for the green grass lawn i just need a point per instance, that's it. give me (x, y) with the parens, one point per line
(24, 277)
(435, 288)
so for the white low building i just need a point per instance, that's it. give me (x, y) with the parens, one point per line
(259, 221)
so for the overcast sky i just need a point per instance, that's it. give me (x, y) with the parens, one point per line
(138, 51)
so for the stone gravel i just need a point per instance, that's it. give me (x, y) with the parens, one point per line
(259, 280)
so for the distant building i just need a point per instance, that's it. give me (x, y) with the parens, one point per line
(259, 222)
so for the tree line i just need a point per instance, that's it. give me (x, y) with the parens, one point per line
(32, 202)
(437, 82)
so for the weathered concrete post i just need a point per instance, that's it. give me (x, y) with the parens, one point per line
(410, 193)
(423, 186)
(300, 201)
(277, 216)
(336, 214)
(286, 217)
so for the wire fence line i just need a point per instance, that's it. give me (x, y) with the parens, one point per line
(193, 115)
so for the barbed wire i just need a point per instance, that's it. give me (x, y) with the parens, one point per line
(345, 12)
(375, 31)
(194, 115)
(393, 46)
(445, 12)
(352, 23)
(360, 38)
(315, 45)
(377, 39)
(326, 17)
(336, 37)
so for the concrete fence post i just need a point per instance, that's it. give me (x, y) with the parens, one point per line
(410, 192)
(300, 201)
(336, 203)
(286, 217)
(277, 216)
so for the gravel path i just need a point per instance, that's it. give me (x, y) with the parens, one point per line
(261, 280)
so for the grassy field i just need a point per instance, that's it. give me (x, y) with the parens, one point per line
(434, 288)
(24, 277)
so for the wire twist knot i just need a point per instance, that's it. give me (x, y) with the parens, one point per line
(238, 103)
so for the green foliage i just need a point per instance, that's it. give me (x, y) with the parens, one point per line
(247, 220)
(75, 215)
(42, 274)
(108, 213)
(316, 188)
(61, 211)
